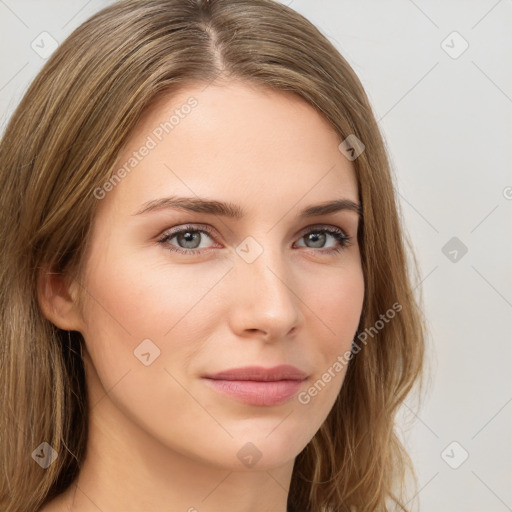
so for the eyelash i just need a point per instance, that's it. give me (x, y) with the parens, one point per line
(343, 239)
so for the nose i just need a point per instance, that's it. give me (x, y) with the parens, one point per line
(265, 301)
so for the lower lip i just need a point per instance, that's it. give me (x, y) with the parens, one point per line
(258, 392)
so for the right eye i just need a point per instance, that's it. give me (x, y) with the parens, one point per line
(188, 239)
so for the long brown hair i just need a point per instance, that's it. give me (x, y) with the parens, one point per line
(62, 143)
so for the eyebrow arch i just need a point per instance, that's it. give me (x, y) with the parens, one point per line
(234, 211)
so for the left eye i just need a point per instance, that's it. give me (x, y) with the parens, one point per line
(318, 238)
(189, 239)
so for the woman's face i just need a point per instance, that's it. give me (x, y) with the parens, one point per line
(175, 294)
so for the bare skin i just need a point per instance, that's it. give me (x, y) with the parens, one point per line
(161, 438)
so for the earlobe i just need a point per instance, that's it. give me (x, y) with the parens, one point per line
(56, 299)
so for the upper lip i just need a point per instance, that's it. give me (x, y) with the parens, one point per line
(259, 373)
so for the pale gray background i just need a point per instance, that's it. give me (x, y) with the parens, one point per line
(447, 122)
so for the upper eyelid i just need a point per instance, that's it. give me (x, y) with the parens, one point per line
(183, 227)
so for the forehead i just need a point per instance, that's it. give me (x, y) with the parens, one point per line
(231, 140)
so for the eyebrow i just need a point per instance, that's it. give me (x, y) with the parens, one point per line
(199, 205)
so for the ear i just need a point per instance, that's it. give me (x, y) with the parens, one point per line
(57, 299)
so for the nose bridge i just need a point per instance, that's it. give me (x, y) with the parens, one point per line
(263, 260)
(265, 294)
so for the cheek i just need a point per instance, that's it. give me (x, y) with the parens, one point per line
(152, 316)
(147, 299)
(136, 307)
(336, 299)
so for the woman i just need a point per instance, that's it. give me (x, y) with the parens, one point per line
(206, 302)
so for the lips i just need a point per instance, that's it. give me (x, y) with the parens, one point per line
(255, 385)
(258, 373)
